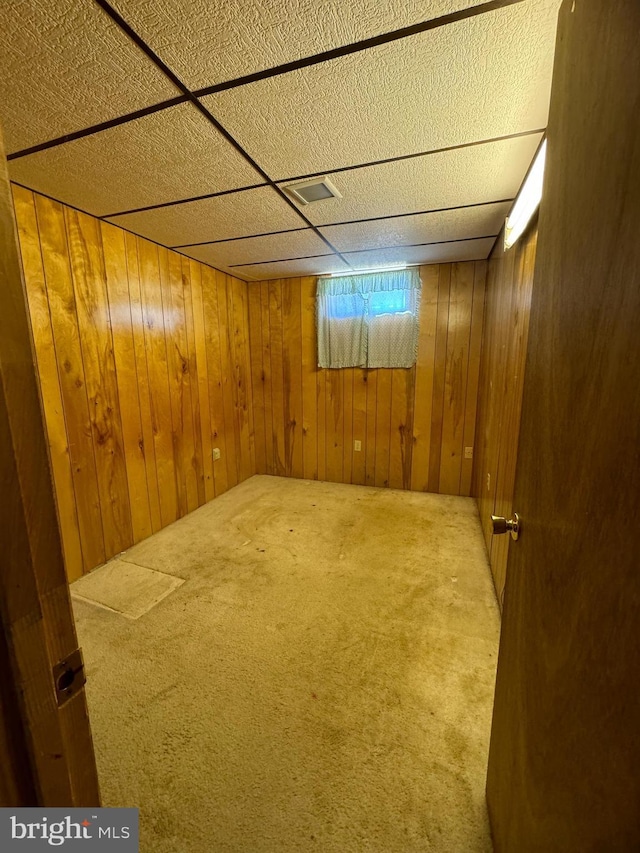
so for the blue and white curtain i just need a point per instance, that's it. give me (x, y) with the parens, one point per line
(368, 320)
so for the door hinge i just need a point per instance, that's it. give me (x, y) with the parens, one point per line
(68, 676)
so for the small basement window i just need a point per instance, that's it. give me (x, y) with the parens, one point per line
(369, 319)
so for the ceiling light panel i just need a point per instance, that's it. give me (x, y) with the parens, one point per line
(236, 215)
(453, 178)
(469, 250)
(165, 156)
(479, 78)
(287, 269)
(294, 244)
(66, 66)
(244, 36)
(423, 228)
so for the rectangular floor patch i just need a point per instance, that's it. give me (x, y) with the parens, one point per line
(125, 588)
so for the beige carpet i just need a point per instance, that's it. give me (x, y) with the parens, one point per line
(322, 680)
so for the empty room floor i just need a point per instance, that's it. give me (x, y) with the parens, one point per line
(322, 680)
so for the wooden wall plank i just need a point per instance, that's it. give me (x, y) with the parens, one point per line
(225, 318)
(371, 378)
(242, 376)
(49, 380)
(401, 447)
(172, 325)
(383, 428)
(424, 378)
(117, 280)
(64, 324)
(347, 444)
(89, 282)
(455, 377)
(183, 386)
(277, 389)
(309, 379)
(199, 276)
(257, 377)
(266, 377)
(321, 406)
(292, 376)
(142, 376)
(473, 375)
(157, 367)
(334, 425)
(359, 425)
(439, 369)
(218, 439)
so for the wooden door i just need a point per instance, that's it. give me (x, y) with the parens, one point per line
(564, 764)
(46, 752)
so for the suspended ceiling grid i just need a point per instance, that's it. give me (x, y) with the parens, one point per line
(184, 121)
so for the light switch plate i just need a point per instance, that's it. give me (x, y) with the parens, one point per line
(357, 445)
(216, 453)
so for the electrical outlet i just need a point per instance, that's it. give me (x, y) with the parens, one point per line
(468, 453)
(216, 453)
(357, 445)
(488, 482)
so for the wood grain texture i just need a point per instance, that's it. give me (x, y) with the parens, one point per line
(413, 425)
(144, 365)
(504, 346)
(565, 743)
(46, 751)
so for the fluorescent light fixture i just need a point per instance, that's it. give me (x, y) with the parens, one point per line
(527, 201)
(370, 270)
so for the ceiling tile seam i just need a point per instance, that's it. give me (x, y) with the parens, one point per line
(241, 237)
(131, 33)
(315, 59)
(98, 128)
(416, 155)
(346, 222)
(122, 228)
(281, 260)
(374, 249)
(358, 46)
(183, 201)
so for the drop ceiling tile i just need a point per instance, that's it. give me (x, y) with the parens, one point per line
(287, 269)
(65, 66)
(236, 215)
(168, 155)
(244, 36)
(421, 228)
(479, 78)
(275, 247)
(469, 250)
(465, 176)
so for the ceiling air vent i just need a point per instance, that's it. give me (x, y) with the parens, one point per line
(315, 189)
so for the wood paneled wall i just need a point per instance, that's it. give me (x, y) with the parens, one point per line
(143, 360)
(506, 327)
(413, 424)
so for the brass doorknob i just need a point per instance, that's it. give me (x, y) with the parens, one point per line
(506, 525)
